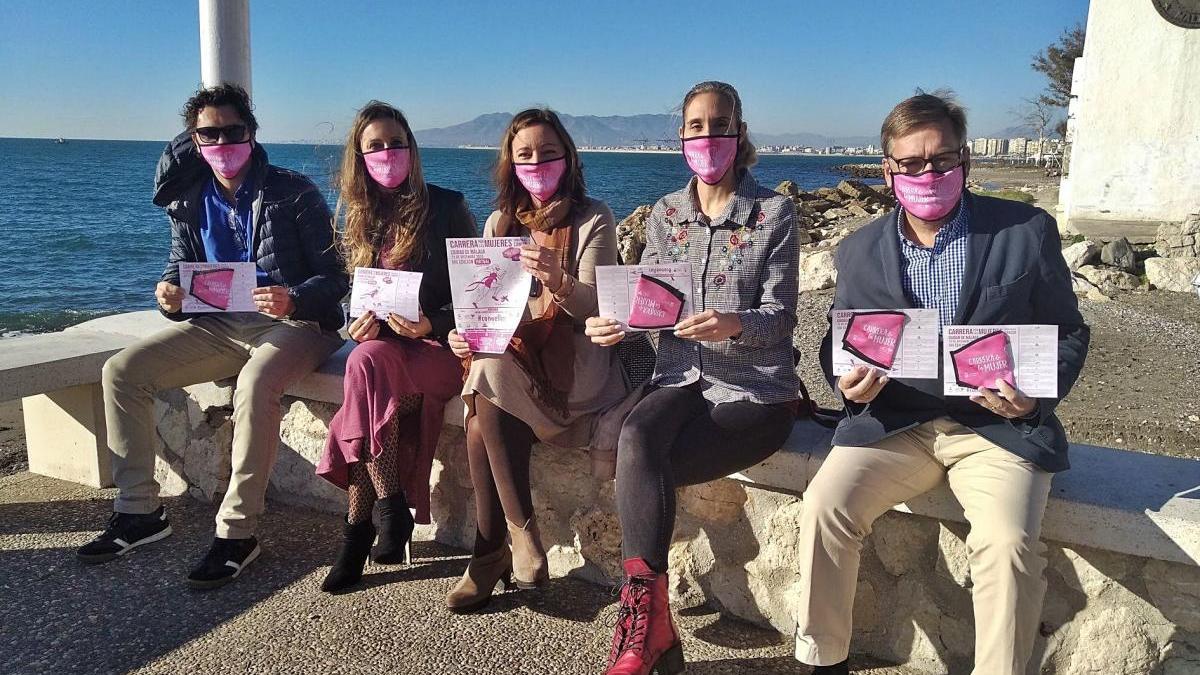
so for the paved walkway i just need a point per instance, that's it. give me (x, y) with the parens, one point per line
(136, 615)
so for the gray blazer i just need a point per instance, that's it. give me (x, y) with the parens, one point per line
(1015, 274)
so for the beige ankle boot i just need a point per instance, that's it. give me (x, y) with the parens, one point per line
(530, 567)
(474, 590)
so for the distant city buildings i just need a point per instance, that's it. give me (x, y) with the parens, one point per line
(870, 150)
(1026, 149)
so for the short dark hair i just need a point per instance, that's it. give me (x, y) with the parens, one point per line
(923, 110)
(223, 94)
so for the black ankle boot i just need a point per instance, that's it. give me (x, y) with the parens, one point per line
(348, 568)
(395, 531)
(842, 668)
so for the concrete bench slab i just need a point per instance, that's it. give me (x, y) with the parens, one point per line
(1116, 500)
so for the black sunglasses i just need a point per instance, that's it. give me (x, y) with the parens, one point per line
(234, 133)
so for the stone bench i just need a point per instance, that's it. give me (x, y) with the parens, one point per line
(1122, 528)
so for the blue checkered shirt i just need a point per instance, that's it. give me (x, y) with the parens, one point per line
(933, 276)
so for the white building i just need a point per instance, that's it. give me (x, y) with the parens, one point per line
(1134, 121)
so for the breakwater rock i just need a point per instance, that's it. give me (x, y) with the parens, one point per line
(859, 170)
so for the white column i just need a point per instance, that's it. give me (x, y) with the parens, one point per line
(225, 42)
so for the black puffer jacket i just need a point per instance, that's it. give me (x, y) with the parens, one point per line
(293, 230)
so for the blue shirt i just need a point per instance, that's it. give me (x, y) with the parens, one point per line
(227, 230)
(933, 276)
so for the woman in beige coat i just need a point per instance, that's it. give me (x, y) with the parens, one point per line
(551, 382)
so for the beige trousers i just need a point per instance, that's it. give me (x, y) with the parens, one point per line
(1003, 498)
(266, 355)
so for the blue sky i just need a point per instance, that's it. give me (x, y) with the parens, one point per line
(122, 69)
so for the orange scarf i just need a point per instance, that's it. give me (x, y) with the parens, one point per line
(544, 344)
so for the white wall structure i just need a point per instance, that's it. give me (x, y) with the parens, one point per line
(225, 42)
(1135, 118)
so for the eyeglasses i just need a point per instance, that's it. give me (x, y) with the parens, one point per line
(941, 162)
(234, 133)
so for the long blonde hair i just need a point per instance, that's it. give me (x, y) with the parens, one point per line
(747, 156)
(370, 216)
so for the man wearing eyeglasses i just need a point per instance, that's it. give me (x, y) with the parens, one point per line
(226, 203)
(977, 260)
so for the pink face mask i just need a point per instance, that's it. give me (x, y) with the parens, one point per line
(982, 361)
(212, 287)
(710, 157)
(930, 195)
(389, 167)
(656, 304)
(542, 178)
(227, 159)
(874, 337)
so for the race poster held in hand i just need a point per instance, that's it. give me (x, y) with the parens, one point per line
(490, 288)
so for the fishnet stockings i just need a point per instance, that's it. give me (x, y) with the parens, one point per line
(379, 477)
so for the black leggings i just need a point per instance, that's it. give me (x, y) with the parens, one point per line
(673, 438)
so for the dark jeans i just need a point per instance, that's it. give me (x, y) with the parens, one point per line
(673, 438)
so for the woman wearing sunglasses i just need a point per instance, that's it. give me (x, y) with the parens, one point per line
(400, 376)
(723, 396)
(552, 381)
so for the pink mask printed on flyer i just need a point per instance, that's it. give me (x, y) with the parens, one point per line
(982, 361)
(930, 195)
(227, 159)
(212, 287)
(541, 179)
(655, 304)
(388, 166)
(875, 337)
(710, 157)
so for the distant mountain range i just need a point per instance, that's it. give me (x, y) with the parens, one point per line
(613, 130)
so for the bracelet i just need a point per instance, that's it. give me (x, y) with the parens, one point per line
(565, 288)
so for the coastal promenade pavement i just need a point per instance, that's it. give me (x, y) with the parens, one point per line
(136, 614)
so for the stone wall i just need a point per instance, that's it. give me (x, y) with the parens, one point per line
(736, 548)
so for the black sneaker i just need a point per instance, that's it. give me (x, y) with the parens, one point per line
(223, 563)
(125, 532)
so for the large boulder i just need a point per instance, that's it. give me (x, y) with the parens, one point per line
(631, 235)
(1081, 253)
(855, 189)
(1119, 254)
(1086, 289)
(817, 271)
(1172, 274)
(1109, 280)
(1179, 240)
(788, 189)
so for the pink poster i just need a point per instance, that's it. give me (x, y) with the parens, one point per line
(490, 288)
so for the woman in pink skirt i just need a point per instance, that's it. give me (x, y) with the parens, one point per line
(400, 376)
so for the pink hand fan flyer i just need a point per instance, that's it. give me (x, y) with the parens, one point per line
(1024, 356)
(900, 342)
(490, 288)
(218, 287)
(645, 297)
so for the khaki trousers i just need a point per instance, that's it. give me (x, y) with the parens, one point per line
(1003, 498)
(266, 355)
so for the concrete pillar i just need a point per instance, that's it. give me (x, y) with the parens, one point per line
(225, 42)
(66, 437)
